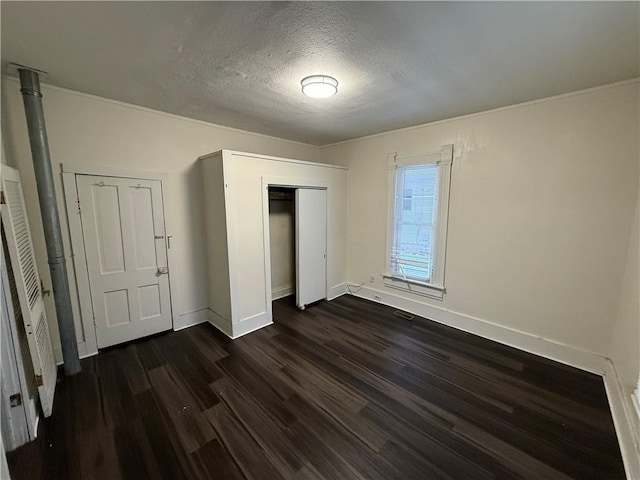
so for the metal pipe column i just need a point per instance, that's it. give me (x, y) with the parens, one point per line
(32, 97)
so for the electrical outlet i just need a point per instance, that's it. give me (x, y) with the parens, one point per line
(372, 278)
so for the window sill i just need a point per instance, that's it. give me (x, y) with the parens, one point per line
(414, 286)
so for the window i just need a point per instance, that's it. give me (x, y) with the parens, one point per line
(418, 211)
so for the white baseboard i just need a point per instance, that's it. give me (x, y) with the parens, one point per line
(219, 322)
(246, 329)
(281, 292)
(240, 329)
(559, 352)
(251, 324)
(89, 354)
(186, 320)
(337, 291)
(625, 420)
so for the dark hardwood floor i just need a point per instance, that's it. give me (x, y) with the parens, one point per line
(343, 390)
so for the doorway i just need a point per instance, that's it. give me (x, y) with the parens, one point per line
(122, 235)
(297, 236)
(282, 238)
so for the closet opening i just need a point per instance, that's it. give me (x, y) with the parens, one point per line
(282, 238)
(297, 239)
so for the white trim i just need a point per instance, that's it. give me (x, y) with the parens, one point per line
(295, 183)
(557, 351)
(337, 291)
(486, 112)
(221, 323)
(232, 251)
(259, 156)
(106, 171)
(79, 262)
(251, 324)
(442, 221)
(412, 286)
(186, 320)
(281, 292)
(160, 112)
(434, 288)
(252, 329)
(626, 423)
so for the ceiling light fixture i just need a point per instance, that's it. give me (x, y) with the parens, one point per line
(319, 86)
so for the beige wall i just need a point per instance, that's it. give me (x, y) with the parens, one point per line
(282, 241)
(543, 197)
(92, 131)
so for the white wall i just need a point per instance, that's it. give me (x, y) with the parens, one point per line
(543, 197)
(93, 131)
(282, 239)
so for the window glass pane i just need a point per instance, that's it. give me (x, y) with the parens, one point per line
(415, 216)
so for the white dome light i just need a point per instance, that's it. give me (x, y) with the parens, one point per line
(319, 86)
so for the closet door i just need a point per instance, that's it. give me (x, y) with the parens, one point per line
(25, 271)
(124, 237)
(311, 246)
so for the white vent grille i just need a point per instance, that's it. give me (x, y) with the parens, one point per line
(23, 241)
(48, 363)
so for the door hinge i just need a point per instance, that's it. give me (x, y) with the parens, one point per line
(43, 292)
(2, 200)
(39, 381)
(15, 400)
(78, 204)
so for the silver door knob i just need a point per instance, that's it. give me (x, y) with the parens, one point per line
(162, 271)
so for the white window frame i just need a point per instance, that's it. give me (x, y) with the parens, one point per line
(444, 159)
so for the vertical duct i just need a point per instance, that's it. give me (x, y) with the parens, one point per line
(32, 97)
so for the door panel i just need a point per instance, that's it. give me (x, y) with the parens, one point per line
(123, 230)
(311, 246)
(109, 228)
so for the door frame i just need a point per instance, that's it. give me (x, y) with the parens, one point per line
(289, 183)
(70, 171)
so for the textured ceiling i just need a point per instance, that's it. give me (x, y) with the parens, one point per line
(398, 63)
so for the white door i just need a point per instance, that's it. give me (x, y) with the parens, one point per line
(27, 279)
(13, 416)
(311, 246)
(124, 235)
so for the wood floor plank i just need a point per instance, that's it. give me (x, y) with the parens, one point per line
(343, 390)
(213, 462)
(187, 419)
(267, 433)
(247, 453)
